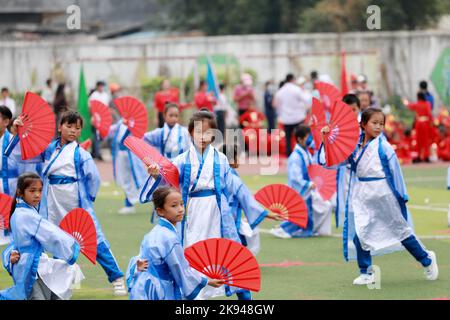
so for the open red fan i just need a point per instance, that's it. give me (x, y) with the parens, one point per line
(86, 144)
(79, 224)
(150, 155)
(317, 121)
(284, 201)
(343, 137)
(5, 210)
(134, 114)
(324, 179)
(38, 127)
(329, 94)
(102, 117)
(225, 260)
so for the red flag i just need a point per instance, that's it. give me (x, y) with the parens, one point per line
(344, 85)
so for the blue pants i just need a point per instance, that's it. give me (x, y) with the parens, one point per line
(128, 203)
(244, 295)
(411, 244)
(108, 262)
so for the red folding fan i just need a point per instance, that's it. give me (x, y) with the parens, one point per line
(324, 179)
(284, 201)
(38, 127)
(5, 210)
(329, 94)
(86, 144)
(149, 155)
(343, 137)
(79, 224)
(134, 114)
(317, 121)
(225, 260)
(102, 117)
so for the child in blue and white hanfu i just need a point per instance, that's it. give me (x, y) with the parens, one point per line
(172, 139)
(30, 268)
(298, 179)
(161, 271)
(378, 200)
(129, 172)
(205, 174)
(71, 180)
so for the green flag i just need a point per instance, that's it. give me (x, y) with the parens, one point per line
(83, 108)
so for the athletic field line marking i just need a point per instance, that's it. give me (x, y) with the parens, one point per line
(338, 235)
(424, 179)
(428, 208)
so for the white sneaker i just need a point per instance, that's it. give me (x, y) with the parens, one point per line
(280, 233)
(364, 279)
(431, 272)
(127, 210)
(119, 287)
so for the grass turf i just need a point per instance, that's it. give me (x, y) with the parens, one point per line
(317, 269)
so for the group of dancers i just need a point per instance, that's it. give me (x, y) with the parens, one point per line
(212, 202)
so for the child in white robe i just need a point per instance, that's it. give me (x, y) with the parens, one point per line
(36, 276)
(205, 174)
(379, 201)
(161, 271)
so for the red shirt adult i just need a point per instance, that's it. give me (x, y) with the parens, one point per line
(423, 126)
(204, 99)
(162, 97)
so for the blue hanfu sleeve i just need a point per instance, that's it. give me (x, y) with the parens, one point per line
(396, 171)
(153, 138)
(56, 241)
(295, 176)
(6, 257)
(187, 279)
(91, 176)
(253, 211)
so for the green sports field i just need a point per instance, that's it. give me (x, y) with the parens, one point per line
(300, 268)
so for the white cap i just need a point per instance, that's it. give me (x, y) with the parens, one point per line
(301, 80)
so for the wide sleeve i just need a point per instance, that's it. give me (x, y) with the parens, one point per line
(295, 176)
(190, 281)
(396, 171)
(56, 241)
(14, 152)
(146, 194)
(6, 257)
(91, 176)
(153, 138)
(321, 158)
(253, 211)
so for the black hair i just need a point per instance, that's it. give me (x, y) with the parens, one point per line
(49, 81)
(281, 84)
(23, 182)
(289, 77)
(5, 89)
(222, 86)
(423, 85)
(351, 99)
(160, 195)
(100, 83)
(421, 96)
(201, 116)
(170, 105)
(368, 113)
(202, 82)
(5, 113)
(71, 117)
(314, 75)
(302, 131)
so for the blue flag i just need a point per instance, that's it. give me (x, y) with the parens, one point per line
(211, 80)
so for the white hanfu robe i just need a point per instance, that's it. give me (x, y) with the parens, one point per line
(171, 142)
(32, 236)
(129, 172)
(169, 276)
(376, 206)
(203, 178)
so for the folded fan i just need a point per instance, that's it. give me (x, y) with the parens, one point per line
(150, 155)
(134, 114)
(225, 260)
(80, 225)
(284, 201)
(38, 127)
(5, 210)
